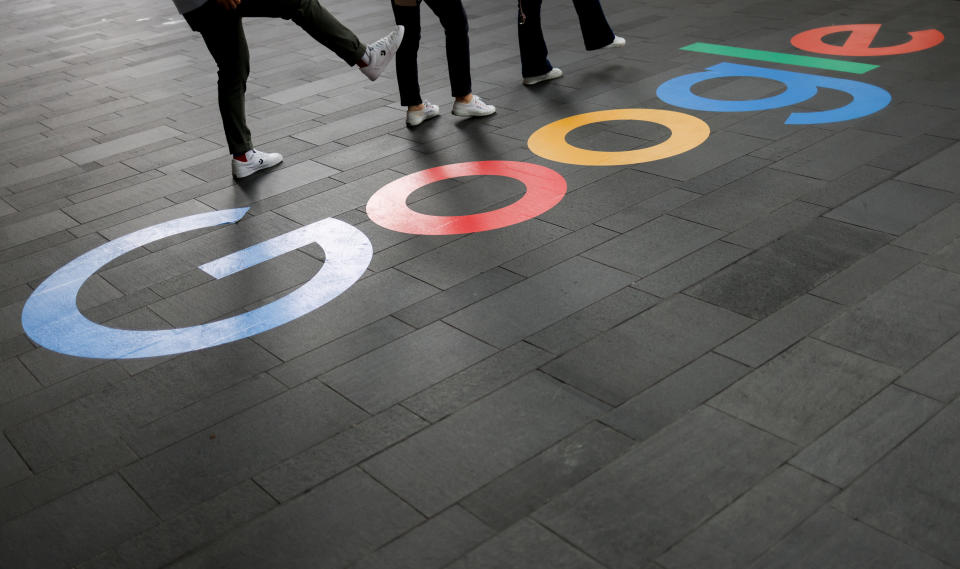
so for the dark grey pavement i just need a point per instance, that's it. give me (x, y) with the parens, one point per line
(743, 356)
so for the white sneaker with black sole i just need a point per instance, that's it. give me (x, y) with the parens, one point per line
(554, 73)
(255, 161)
(475, 108)
(429, 111)
(380, 52)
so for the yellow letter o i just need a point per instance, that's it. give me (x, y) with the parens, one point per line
(686, 133)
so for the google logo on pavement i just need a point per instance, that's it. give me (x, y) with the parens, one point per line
(51, 317)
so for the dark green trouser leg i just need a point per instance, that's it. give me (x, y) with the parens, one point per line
(222, 31)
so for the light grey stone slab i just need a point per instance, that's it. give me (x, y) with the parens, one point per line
(636, 354)
(837, 155)
(938, 172)
(525, 545)
(667, 401)
(453, 458)
(653, 245)
(830, 540)
(122, 144)
(691, 269)
(779, 331)
(904, 321)
(934, 233)
(745, 529)
(539, 301)
(806, 390)
(867, 275)
(857, 442)
(635, 509)
(893, 207)
(331, 527)
(936, 375)
(910, 494)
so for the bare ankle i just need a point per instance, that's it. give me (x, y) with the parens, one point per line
(465, 99)
(416, 107)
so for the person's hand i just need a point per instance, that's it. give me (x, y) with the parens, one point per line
(228, 4)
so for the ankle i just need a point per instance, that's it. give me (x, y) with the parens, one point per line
(419, 107)
(465, 99)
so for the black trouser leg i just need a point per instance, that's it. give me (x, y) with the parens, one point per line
(533, 48)
(222, 31)
(593, 24)
(314, 19)
(453, 18)
(408, 79)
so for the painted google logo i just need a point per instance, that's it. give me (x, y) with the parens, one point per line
(51, 317)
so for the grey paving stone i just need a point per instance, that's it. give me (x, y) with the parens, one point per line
(763, 282)
(592, 320)
(907, 495)
(526, 544)
(153, 436)
(262, 187)
(863, 438)
(939, 172)
(559, 250)
(779, 331)
(667, 401)
(338, 352)
(17, 381)
(636, 354)
(166, 542)
(477, 381)
(433, 545)
(605, 197)
(791, 144)
(330, 527)
(339, 453)
(806, 390)
(837, 155)
(34, 228)
(12, 468)
(453, 458)
(42, 487)
(118, 145)
(132, 196)
(867, 275)
(721, 148)
(633, 510)
(911, 152)
(541, 300)
(849, 185)
(457, 297)
(647, 210)
(207, 463)
(743, 201)
(725, 174)
(831, 540)
(524, 489)
(82, 524)
(654, 245)
(370, 299)
(904, 321)
(934, 233)
(752, 524)
(893, 207)
(390, 374)
(947, 258)
(691, 269)
(935, 376)
(460, 260)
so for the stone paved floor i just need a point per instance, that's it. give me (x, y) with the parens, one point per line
(745, 355)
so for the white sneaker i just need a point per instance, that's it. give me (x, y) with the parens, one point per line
(256, 161)
(381, 52)
(554, 73)
(429, 111)
(617, 42)
(475, 108)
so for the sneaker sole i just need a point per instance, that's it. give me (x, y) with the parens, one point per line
(257, 171)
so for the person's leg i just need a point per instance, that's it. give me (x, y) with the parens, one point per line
(314, 19)
(593, 24)
(453, 18)
(533, 48)
(222, 31)
(406, 59)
